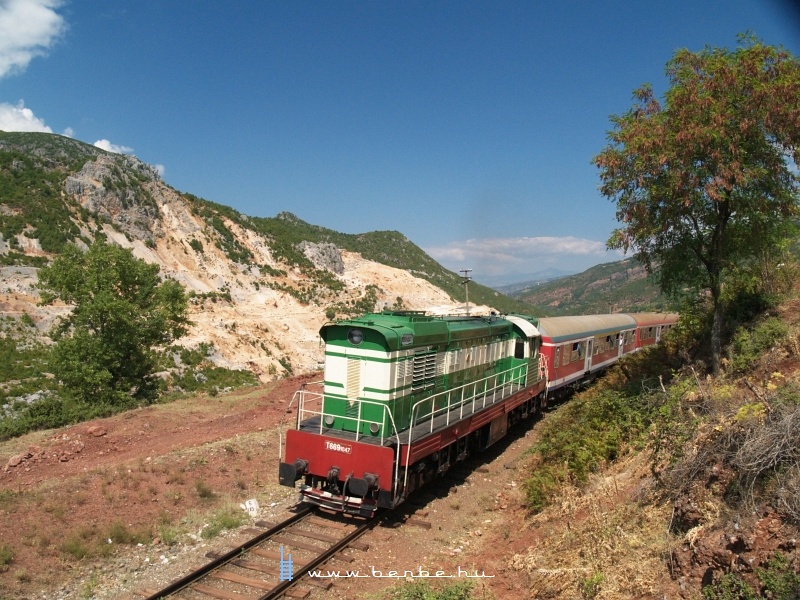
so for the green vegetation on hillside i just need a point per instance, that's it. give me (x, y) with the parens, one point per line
(286, 233)
(33, 170)
(621, 286)
(390, 248)
(31, 186)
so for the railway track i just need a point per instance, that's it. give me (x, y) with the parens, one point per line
(252, 570)
(274, 563)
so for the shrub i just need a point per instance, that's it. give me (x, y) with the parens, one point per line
(729, 587)
(6, 556)
(590, 587)
(575, 441)
(749, 343)
(422, 590)
(779, 579)
(120, 534)
(203, 490)
(76, 547)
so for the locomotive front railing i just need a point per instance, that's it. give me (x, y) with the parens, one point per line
(310, 404)
(304, 413)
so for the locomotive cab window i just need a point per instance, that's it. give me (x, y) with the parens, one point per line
(519, 349)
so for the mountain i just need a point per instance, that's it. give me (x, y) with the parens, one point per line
(260, 288)
(621, 286)
(532, 280)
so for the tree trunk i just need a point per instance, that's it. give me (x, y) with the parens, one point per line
(716, 333)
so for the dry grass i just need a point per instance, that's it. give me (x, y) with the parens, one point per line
(611, 547)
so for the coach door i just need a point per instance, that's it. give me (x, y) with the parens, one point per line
(587, 365)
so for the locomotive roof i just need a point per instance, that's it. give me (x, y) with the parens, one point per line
(424, 329)
(560, 329)
(525, 323)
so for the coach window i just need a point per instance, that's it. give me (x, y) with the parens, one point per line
(565, 356)
(557, 356)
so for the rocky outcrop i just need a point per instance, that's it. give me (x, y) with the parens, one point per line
(740, 547)
(111, 194)
(324, 256)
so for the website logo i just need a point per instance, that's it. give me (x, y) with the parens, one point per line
(286, 566)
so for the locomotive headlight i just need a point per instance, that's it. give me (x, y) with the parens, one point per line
(355, 336)
(328, 420)
(374, 427)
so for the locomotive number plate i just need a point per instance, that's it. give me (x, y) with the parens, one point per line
(337, 447)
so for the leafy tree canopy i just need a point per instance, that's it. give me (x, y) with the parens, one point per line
(105, 349)
(707, 182)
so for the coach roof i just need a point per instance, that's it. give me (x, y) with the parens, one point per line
(561, 329)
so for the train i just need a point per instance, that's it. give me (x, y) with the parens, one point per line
(405, 394)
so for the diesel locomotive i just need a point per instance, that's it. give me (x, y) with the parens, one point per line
(405, 394)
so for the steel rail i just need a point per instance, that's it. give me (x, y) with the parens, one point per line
(215, 564)
(280, 589)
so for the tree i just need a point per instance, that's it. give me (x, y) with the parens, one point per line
(105, 348)
(708, 182)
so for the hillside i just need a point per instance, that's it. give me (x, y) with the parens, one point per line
(260, 287)
(621, 286)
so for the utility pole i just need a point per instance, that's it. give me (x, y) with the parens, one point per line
(465, 276)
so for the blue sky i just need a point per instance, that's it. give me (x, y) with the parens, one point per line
(467, 126)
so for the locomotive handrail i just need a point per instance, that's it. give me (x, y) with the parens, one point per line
(520, 380)
(480, 389)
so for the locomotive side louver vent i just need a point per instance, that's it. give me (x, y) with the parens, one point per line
(425, 364)
(353, 388)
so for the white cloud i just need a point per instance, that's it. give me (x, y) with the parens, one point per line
(69, 132)
(19, 118)
(115, 148)
(513, 259)
(160, 169)
(28, 28)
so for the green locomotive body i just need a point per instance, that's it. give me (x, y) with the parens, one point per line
(387, 371)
